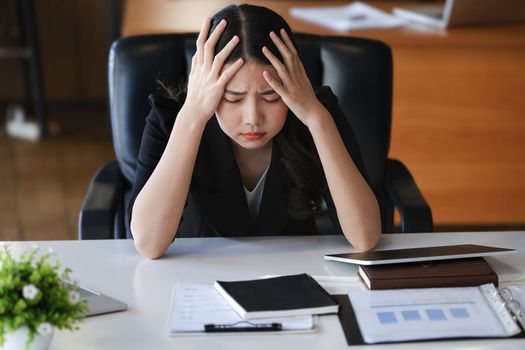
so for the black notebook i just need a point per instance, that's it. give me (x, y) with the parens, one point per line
(277, 297)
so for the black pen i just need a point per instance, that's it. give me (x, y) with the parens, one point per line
(261, 327)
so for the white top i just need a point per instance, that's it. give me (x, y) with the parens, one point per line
(114, 268)
(254, 196)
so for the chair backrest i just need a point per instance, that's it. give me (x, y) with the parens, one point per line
(359, 71)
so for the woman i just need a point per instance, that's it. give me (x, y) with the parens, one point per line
(249, 148)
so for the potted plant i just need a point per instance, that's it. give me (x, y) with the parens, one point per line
(36, 296)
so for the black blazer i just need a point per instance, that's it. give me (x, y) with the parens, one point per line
(216, 204)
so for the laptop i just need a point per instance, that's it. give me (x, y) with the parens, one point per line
(456, 13)
(98, 303)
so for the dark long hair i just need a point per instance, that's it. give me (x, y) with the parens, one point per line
(294, 145)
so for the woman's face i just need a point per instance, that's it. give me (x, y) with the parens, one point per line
(251, 113)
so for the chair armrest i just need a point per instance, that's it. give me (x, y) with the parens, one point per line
(415, 213)
(97, 215)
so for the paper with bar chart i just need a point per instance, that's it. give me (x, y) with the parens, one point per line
(430, 313)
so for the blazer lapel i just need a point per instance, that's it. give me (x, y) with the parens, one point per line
(221, 193)
(273, 213)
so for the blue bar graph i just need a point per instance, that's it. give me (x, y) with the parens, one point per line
(435, 314)
(387, 317)
(411, 315)
(459, 313)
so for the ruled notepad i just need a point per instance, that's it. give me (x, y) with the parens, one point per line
(195, 305)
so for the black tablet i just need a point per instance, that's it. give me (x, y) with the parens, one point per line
(394, 256)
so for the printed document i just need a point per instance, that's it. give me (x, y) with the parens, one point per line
(431, 313)
(195, 305)
(354, 16)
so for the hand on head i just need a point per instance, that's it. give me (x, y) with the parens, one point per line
(295, 89)
(210, 74)
(207, 79)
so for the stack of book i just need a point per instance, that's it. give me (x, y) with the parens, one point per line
(427, 274)
(426, 267)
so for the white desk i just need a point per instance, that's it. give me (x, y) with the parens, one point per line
(116, 269)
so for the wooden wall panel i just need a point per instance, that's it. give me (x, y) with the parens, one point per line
(93, 49)
(458, 125)
(9, 220)
(57, 22)
(73, 47)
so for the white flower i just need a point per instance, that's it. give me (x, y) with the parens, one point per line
(74, 297)
(44, 328)
(29, 291)
(51, 251)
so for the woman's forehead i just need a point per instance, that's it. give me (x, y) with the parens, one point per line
(249, 78)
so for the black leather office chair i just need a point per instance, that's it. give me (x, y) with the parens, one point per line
(359, 71)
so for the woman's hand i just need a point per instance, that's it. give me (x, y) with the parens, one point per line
(295, 89)
(206, 82)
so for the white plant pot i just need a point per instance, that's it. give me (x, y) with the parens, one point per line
(18, 339)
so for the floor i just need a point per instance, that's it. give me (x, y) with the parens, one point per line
(42, 184)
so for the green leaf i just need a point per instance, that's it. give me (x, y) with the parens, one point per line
(19, 306)
(50, 305)
(35, 277)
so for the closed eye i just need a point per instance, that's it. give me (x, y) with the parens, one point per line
(273, 100)
(231, 101)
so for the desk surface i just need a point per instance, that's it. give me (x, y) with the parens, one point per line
(116, 269)
(457, 111)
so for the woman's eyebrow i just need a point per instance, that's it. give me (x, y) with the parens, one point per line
(240, 93)
(267, 92)
(237, 93)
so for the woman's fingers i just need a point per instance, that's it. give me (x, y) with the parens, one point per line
(295, 89)
(209, 45)
(281, 47)
(275, 85)
(229, 72)
(201, 39)
(288, 42)
(277, 64)
(193, 63)
(221, 57)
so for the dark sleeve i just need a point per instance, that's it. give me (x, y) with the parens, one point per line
(159, 124)
(331, 103)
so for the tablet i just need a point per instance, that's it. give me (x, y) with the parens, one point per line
(394, 256)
